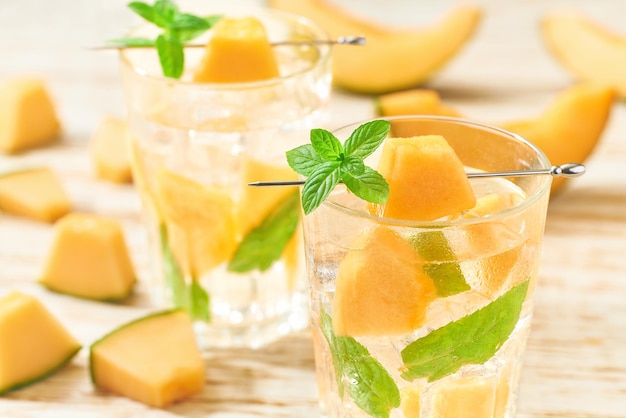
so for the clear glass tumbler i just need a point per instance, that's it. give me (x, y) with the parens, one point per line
(463, 359)
(229, 254)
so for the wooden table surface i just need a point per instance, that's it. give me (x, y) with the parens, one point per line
(575, 364)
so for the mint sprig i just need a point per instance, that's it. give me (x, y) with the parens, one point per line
(472, 339)
(326, 162)
(265, 244)
(190, 297)
(178, 28)
(369, 385)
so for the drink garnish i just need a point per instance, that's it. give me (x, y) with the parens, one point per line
(326, 162)
(472, 339)
(178, 28)
(264, 245)
(370, 386)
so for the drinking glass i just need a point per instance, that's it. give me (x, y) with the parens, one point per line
(463, 356)
(229, 254)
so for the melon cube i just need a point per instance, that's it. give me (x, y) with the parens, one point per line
(28, 118)
(109, 151)
(380, 288)
(239, 51)
(89, 259)
(426, 179)
(466, 398)
(33, 343)
(35, 193)
(154, 360)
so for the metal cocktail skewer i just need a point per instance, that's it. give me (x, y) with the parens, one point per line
(342, 40)
(565, 170)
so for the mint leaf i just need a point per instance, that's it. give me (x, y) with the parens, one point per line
(177, 28)
(143, 9)
(132, 42)
(198, 304)
(192, 298)
(369, 385)
(319, 185)
(165, 12)
(369, 185)
(326, 145)
(367, 138)
(325, 162)
(445, 269)
(304, 160)
(353, 165)
(171, 55)
(265, 244)
(473, 339)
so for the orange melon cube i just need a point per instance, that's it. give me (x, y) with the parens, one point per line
(426, 179)
(239, 51)
(28, 118)
(33, 343)
(466, 398)
(109, 151)
(154, 360)
(89, 259)
(380, 288)
(34, 193)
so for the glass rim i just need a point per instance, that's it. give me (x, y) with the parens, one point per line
(324, 57)
(437, 224)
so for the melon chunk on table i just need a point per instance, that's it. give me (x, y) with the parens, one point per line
(154, 360)
(28, 118)
(33, 343)
(34, 194)
(89, 258)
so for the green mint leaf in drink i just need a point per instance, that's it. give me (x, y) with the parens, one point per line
(472, 339)
(265, 244)
(190, 297)
(326, 145)
(320, 184)
(369, 185)
(171, 55)
(188, 27)
(304, 160)
(445, 270)
(369, 385)
(367, 138)
(199, 301)
(325, 162)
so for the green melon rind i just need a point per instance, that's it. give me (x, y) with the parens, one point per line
(107, 299)
(45, 375)
(122, 328)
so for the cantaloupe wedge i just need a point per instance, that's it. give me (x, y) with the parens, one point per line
(33, 193)
(110, 151)
(586, 48)
(200, 221)
(380, 287)
(393, 58)
(33, 343)
(426, 179)
(469, 397)
(413, 102)
(238, 51)
(89, 258)
(28, 118)
(154, 360)
(569, 129)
